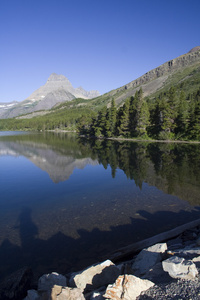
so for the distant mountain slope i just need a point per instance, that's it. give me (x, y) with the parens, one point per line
(56, 90)
(157, 78)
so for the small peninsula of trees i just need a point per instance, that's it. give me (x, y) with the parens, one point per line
(171, 115)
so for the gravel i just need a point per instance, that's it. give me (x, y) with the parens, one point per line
(174, 289)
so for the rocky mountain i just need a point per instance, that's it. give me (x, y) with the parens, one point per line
(56, 90)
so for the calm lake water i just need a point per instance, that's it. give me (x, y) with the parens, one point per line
(67, 202)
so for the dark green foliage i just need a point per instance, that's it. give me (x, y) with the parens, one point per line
(195, 116)
(131, 120)
(123, 120)
(173, 114)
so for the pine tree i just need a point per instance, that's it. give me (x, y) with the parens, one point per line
(113, 117)
(132, 114)
(110, 125)
(195, 117)
(99, 125)
(142, 115)
(108, 132)
(182, 114)
(168, 112)
(123, 127)
(156, 117)
(142, 119)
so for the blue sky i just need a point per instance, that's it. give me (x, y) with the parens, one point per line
(96, 44)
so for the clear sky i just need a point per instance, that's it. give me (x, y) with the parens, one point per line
(96, 44)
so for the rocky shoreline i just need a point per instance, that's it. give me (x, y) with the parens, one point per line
(164, 270)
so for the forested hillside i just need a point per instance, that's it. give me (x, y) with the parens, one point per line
(172, 115)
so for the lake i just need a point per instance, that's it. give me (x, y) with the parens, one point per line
(67, 202)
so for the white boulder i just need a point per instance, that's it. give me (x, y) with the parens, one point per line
(147, 258)
(127, 287)
(95, 276)
(178, 267)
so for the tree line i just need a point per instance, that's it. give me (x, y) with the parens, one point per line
(171, 115)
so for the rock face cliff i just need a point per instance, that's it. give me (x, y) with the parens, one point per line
(56, 90)
(169, 67)
(156, 78)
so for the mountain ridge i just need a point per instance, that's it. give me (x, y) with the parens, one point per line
(160, 74)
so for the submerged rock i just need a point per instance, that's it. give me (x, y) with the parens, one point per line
(47, 281)
(32, 295)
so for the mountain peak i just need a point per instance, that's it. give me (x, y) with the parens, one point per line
(56, 77)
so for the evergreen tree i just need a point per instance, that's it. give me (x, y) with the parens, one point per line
(195, 117)
(142, 119)
(100, 124)
(110, 120)
(113, 117)
(170, 110)
(182, 114)
(156, 118)
(141, 114)
(123, 127)
(132, 114)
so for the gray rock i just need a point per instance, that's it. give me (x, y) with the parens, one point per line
(47, 281)
(178, 267)
(148, 257)
(196, 261)
(95, 276)
(157, 275)
(188, 252)
(198, 241)
(127, 287)
(32, 295)
(174, 244)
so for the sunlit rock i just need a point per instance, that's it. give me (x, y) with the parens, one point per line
(148, 257)
(61, 293)
(127, 287)
(95, 276)
(178, 267)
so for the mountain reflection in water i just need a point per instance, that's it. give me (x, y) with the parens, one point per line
(107, 195)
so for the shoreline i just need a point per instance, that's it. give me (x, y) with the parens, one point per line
(106, 138)
(133, 248)
(162, 283)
